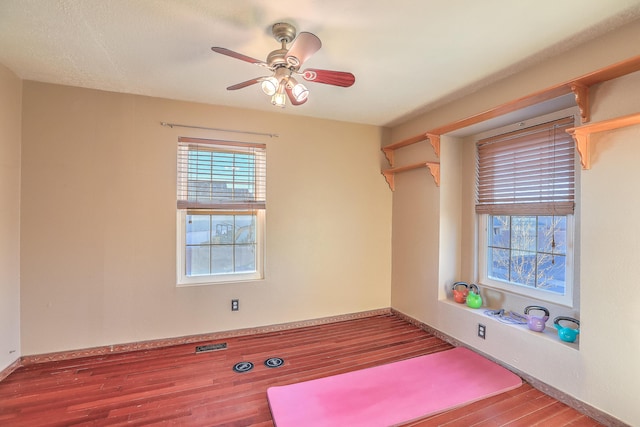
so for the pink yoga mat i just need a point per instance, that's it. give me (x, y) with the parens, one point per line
(390, 394)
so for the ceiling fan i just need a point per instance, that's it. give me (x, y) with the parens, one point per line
(285, 66)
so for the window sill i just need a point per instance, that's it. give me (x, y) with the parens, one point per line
(535, 296)
(549, 333)
(229, 281)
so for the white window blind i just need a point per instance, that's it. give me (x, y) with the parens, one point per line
(221, 174)
(529, 171)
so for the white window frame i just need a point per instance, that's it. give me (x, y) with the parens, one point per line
(184, 280)
(482, 239)
(223, 205)
(539, 294)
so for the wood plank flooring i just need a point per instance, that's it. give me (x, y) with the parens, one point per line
(175, 386)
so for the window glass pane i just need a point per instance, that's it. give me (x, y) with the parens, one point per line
(245, 229)
(552, 234)
(551, 272)
(545, 234)
(560, 235)
(498, 264)
(245, 259)
(499, 236)
(197, 260)
(222, 226)
(198, 229)
(523, 233)
(523, 268)
(221, 259)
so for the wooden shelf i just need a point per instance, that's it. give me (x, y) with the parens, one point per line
(579, 86)
(582, 134)
(434, 168)
(433, 139)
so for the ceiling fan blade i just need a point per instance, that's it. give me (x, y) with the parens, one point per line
(225, 51)
(305, 45)
(292, 97)
(245, 84)
(336, 78)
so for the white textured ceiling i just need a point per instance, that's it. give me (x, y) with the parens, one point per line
(407, 55)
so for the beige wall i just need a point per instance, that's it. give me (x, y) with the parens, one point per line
(602, 369)
(10, 128)
(99, 221)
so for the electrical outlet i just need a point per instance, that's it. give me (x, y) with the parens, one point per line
(482, 331)
(235, 304)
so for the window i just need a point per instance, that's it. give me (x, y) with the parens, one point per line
(525, 198)
(221, 208)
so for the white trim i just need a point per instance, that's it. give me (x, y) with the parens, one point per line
(534, 121)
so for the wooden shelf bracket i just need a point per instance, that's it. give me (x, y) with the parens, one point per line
(582, 134)
(581, 92)
(435, 142)
(434, 168)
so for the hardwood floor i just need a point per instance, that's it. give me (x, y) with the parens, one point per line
(175, 386)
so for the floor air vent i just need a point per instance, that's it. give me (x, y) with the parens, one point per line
(211, 347)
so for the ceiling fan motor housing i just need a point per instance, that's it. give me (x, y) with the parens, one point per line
(283, 32)
(276, 59)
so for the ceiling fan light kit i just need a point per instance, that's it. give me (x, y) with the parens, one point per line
(285, 64)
